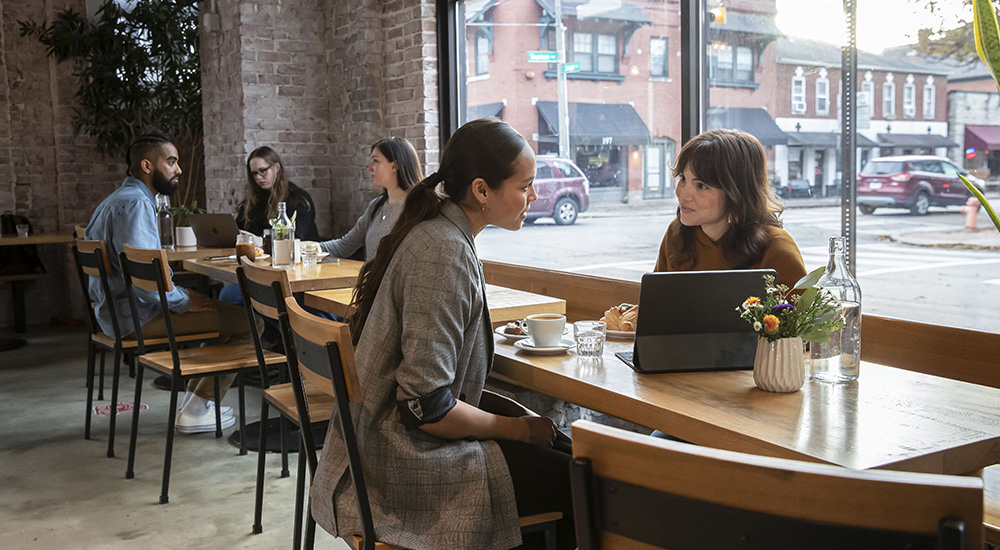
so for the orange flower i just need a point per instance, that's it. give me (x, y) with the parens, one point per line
(751, 301)
(771, 323)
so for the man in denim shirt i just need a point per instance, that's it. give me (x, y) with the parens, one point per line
(128, 216)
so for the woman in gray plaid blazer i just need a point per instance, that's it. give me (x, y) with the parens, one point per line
(436, 474)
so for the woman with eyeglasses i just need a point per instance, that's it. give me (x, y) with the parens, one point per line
(267, 185)
(395, 169)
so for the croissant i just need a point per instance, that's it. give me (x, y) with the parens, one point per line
(621, 317)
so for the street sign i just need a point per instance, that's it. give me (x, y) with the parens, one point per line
(542, 57)
(573, 67)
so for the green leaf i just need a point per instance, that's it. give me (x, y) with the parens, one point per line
(806, 300)
(982, 200)
(811, 278)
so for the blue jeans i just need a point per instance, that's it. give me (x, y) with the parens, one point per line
(231, 294)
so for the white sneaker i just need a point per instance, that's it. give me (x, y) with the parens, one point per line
(190, 424)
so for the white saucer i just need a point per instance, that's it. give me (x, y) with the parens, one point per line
(257, 259)
(511, 338)
(621, 334)
(322, 254)
(529, 346)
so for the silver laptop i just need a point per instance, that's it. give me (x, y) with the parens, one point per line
(214, 230)
(688, 321)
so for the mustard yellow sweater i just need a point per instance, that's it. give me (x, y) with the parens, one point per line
(782, 255)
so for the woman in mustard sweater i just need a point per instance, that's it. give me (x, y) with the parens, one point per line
(727, 217)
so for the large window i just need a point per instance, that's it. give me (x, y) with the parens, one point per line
(771, 72)
(658, 57)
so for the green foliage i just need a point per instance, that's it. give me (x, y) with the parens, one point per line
(180, 213)
(811, 315)
(138, 71)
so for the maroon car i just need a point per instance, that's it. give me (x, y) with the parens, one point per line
(562, 188)
(916, 182)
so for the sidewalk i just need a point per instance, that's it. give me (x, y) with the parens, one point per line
(984, 237)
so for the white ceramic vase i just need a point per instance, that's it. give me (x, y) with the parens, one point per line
(779, 366)
(184, 236)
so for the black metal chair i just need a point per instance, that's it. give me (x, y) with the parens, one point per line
(264, 290)
(632, 490)
(147, 269)
(92, 260)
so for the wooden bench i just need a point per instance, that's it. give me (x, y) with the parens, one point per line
(959, 354)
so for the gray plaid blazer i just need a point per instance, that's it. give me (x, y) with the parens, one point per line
(428, 328)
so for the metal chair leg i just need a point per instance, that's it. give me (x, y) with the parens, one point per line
(299, 498)
(310, 526)
(91, 358)
(168, 452)
(283, 431)
(130, 469)
(218, 408)
(243, 410)
(258, 510)
(100, 385)
(112, 425)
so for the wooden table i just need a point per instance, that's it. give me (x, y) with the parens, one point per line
(890, 418)
(18, 282)
(180, 253)
(336, 274)
(506, 304)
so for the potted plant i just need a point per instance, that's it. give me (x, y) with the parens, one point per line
(183, 234)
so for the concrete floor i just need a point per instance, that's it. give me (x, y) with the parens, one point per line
(58, 490)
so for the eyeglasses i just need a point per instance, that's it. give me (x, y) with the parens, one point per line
(262, 172)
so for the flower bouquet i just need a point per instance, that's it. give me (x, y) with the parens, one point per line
(783, 313)
(782, 320)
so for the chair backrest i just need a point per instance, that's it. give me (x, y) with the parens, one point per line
(92, 260)
(950, 352)
(321, 351)
(147, 268)
(79, 230)
(636, 491)
(264, 290)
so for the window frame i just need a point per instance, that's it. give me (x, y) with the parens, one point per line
(664, 64)
(729, 77)
(909, 100)
(799, 104)
(593, 56)
(825, 96)
(929, 100)
(479, 39)
(890, 98)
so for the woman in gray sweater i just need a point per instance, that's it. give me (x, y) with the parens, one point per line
(446, 464)
(395, 169)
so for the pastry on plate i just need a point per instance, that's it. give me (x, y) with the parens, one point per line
(622, 317)
(514, 328)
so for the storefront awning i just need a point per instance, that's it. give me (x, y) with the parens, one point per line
(824, 140)
(914, 140)
(595, 124)
(611, 10)
(485, 111)
(983, 138)
(752, 121)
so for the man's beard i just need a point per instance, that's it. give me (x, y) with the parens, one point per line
(162, 184)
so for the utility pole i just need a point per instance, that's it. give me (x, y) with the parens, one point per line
(561, 83)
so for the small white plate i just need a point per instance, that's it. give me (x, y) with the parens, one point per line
(621, 334)
(511, 338)
(257, 259)
(529, 346)
(322, 255)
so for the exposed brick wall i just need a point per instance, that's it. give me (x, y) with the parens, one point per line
(46, 172)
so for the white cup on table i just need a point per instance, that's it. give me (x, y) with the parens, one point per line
(545, 329)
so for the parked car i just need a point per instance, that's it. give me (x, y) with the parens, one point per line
(562, 188)
(794, 188)
(916, 182)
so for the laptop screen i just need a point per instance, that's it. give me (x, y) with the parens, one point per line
(688, 321)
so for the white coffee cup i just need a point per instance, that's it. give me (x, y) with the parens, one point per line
(545, 329)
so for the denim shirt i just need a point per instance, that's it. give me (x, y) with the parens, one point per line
(127, 216)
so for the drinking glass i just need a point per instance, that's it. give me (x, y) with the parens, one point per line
(589, 336)
(245, 246)
(22, 230)
(310, 254)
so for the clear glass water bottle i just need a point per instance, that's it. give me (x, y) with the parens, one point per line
(839, 359)
(164, 222)
(282, 239)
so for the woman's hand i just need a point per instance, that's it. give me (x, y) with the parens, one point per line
(538, 430)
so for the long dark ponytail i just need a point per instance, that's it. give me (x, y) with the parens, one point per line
(485, 148)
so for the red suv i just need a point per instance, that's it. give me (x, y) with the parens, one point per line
(914, 182)
(563, 191)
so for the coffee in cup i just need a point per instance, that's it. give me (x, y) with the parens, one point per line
(545, 329)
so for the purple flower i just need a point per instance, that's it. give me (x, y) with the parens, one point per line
(780, 307)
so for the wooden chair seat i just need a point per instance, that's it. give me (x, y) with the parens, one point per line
(131, 343)
(991, 504)
(357, 543)
(209, 360)
(538, 519)
(282, 396)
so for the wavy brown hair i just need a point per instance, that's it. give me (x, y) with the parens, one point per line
(734, 162)
(485, 148)
(283, 190)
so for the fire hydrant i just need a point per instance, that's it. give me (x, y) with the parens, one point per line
(971, 210)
